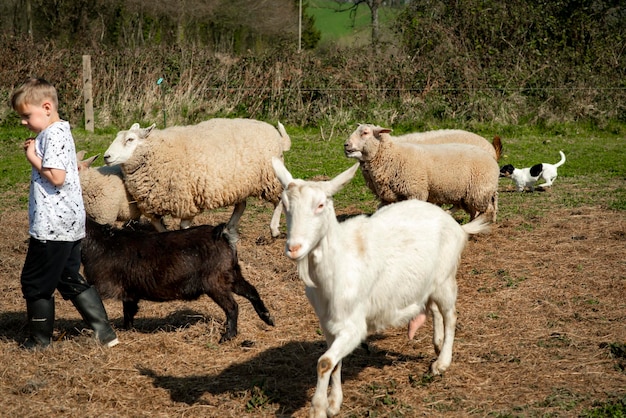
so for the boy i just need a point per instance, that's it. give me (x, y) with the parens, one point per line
(56, 217)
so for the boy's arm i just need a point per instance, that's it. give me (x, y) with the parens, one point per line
(56, 176)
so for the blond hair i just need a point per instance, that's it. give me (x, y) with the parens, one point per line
(34, 92)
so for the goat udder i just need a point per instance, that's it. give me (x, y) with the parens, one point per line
(415, 323)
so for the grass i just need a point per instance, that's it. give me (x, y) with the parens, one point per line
(337, 26)
(595, 165)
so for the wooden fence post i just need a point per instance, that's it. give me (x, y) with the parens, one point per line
(87, 93)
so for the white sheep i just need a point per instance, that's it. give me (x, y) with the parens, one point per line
(183, 170)
(453, 136)
(370, 273)
(458, 174)
(104, 194)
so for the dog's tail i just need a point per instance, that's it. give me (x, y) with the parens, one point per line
(560, 163)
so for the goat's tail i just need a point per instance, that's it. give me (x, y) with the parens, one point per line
(285, 135)
(480, 225)
(560, 163)
(497, 145)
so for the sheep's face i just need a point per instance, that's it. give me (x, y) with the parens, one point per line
(353, 147)
(360, 142)
(125, 143)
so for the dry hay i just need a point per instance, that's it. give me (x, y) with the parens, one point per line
(540, 304)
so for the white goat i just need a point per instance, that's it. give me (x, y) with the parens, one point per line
(370, 273)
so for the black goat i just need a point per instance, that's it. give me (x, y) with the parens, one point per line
(174, 265)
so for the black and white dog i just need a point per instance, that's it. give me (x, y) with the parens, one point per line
(527, 177)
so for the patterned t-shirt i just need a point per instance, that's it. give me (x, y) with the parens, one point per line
(56, 213)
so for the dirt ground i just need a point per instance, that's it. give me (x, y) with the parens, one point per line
(541, 319)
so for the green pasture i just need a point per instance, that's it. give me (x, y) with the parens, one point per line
(337, 25)
(594, 174)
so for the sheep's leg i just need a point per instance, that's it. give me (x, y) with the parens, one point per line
(185, 223)
(231, 226)
(243, 288)
(131, 307)
(490, 212)
(157, 222)
(275, 222)
(492, 209)
(454, 209)
(470, 211)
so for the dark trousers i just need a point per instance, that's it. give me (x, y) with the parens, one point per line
(51, 265)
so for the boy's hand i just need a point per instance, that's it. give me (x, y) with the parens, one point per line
(28, 143)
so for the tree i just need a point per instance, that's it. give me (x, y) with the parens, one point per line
(373, 5)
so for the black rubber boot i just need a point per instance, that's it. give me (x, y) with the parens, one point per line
(90, 307)
(40, 314)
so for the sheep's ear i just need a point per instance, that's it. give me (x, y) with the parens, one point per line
(149, 129)
(134, 127)
(337, 183)
(378, 130)
(82, 164)
(80, 154)
(283, 175)
(90, 160)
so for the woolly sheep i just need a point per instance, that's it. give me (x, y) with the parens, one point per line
(453, 136)
(370, 273)
(458, 174)
(183, 170)
(173, 265)
(104, 194)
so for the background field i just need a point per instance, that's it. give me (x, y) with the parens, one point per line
(340, 28)
(542, 311)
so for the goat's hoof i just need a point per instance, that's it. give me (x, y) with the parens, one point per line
(227, 336)
(267, 318)
(436, 369)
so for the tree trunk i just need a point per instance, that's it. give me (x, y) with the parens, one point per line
(374, 5)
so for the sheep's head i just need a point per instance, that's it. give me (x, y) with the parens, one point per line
(359, 143)
(308, 207)
(125, 143)
(83, 165)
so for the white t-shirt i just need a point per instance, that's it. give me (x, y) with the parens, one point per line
(56, 213)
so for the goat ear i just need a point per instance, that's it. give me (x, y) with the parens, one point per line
(337, 183)
(283, 175)
(80, 155)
